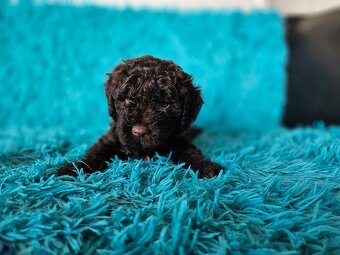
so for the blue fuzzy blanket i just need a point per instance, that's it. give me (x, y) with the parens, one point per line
(279, 193)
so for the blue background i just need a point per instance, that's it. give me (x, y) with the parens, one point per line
(54, 59)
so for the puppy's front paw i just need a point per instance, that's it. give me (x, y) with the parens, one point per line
(67, 169)
(208, 169)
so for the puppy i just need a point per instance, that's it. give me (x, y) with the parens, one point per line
(152, 103)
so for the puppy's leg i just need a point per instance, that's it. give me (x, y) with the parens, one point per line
(192, 133)
(96, 156)
(185, 152)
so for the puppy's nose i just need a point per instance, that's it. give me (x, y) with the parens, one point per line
(138, 130)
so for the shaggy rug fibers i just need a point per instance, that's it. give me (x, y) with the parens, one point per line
(279, 194)
(54, 59)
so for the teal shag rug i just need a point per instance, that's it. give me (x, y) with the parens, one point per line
(54, 59)
(279, 193)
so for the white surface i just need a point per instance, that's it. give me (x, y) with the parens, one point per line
(303, 6)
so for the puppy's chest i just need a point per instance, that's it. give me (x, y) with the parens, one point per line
(138, 154)
(146, 155)
(147, 158)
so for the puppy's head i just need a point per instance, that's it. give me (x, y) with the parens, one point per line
(151, 99)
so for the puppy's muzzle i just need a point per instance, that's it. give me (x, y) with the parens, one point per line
(139, 130)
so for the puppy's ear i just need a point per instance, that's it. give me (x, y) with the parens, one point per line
(112, 86)
(109, 92)
(191, 104)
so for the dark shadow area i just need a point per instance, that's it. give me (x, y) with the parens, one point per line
(313, 90)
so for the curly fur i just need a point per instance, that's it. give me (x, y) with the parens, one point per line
(158, 95)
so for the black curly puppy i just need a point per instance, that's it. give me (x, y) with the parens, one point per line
(152, 103)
